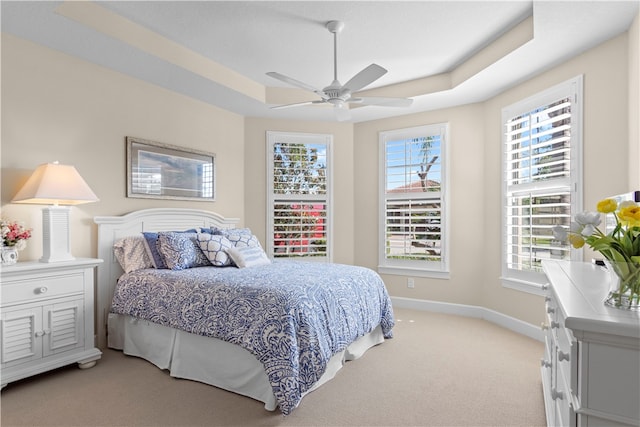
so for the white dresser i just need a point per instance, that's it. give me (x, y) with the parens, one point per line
(47, 317)
(591, 364)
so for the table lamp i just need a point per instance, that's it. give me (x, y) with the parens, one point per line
(55, 184)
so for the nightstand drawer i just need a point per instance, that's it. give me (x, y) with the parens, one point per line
(37, 288)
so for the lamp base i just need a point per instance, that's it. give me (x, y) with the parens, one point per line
(56, 244)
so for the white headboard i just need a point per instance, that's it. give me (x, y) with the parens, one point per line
(112, 228)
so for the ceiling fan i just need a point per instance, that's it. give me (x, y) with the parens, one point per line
(340, 95)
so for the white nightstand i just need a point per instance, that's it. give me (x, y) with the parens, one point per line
(47, 317)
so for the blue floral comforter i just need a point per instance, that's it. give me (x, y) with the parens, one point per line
(293, 316)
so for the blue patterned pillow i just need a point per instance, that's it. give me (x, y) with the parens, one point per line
(248, 256)
(214, 247)
(181, 250)
(151, 245)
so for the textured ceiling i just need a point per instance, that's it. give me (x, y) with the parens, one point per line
(440, 53)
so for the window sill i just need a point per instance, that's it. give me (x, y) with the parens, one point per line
(524, 286)
(414, 272)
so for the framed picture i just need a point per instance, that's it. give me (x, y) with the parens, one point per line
(162, 171)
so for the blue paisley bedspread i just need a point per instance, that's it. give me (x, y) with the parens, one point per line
(292, 316)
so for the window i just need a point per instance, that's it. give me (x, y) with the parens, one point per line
(412, 201)
(299, 195)
(542, 167)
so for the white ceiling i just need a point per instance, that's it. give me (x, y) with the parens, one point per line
(414, 40)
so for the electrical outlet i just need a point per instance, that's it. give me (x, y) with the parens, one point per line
(410, 283)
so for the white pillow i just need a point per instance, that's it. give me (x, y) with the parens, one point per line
(240, 237)
(246, 256)
(131, 253)
(214, 246)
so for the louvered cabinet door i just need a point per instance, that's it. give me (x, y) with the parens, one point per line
(63, 327)
(19, 335)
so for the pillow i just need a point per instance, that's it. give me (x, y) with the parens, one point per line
(151, 245)
(247, 256)
(224, 231)
(131, 253)
(181, 250)
(214, 247)
(242, 238)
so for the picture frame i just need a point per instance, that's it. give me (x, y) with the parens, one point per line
(162, 171)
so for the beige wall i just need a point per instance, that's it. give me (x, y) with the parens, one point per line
(634, 104)
(476, 180)
(465, 202)
(56, 107)
(343, 187)
(605, 142)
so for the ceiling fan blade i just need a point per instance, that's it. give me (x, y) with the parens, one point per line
(342, 113)
(293, 82)
(365, 77)
(297, 104)
(384, 102)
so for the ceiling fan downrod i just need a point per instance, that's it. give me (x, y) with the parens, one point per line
(333, 90)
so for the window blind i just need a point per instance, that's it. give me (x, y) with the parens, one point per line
(412, 198)
(299, 195)
(538, 184)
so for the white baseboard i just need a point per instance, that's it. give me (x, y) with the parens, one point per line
(492, 316)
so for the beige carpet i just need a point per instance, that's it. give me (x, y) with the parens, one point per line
(439, 370)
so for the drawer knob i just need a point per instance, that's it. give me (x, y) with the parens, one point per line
(545, 363)
(43, 290)
(547, 299)
(545, 286)
(551, 310)
(555, 324)
(544, 326)
(39, 333)
(562, 356)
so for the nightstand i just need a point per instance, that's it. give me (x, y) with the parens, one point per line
(47, 317)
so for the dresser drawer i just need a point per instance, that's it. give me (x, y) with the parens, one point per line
(35, 288)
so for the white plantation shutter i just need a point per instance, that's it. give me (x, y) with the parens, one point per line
(299, 190)
(412, 235)
(541, 163)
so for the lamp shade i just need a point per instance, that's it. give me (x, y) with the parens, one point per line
(55, 184)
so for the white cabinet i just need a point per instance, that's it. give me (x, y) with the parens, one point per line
(46, 317)
(591, 363)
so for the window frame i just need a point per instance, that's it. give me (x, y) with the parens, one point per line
(273, 137)
(532, 281)
(417, 268)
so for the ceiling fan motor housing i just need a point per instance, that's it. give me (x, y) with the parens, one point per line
(335, 26)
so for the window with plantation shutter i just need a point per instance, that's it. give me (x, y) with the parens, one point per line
(412, 209)
(541, 148)
(299, 195)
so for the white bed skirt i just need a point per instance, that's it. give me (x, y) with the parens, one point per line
(210, 360)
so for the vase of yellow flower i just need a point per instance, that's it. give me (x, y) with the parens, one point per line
(620, 248)
(14, 239)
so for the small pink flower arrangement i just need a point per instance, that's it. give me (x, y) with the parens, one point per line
(14, 234)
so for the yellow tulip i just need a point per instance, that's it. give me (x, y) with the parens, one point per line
(607, 206)
(630, 216)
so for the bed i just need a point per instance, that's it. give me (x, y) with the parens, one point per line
(271, 330)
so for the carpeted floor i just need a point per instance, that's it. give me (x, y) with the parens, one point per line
(438, 370)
